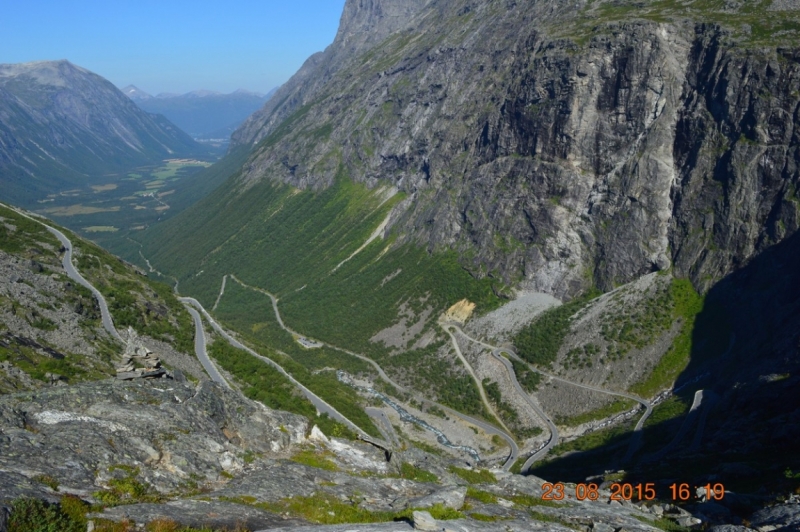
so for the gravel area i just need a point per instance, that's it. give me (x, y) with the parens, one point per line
(503, 323)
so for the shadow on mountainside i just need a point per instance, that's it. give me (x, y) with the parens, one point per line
(745, 351)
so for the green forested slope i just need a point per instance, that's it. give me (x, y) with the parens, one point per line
(290, 242)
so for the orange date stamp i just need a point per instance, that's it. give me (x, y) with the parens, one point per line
(631, 492)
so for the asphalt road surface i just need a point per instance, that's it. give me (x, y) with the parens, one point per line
(635, 440)
(554, 436)
(200, 349)
(72, 273)
(487, 427)
(321, 406)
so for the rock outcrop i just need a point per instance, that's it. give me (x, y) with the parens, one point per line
(534, 142)
(170, 433)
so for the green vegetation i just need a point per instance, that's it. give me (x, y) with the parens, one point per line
(662, 523)
(251, 313)
(547, 518)
(750, 23)
(48, 481)
(671, 408)
(267, 385)
(412, 472)
(426, 371)
(527, 378)
(634, 326)
(505, 409)
(658, 431)
(614, 407)
(482, 496)
(69, 515)
(18, 235)
(35, 515)
(487, 518)
(150, 307)
(74, 368)
(296, 245)
(539, 342)
(593, 440)
(128, 489)
(516, 467)
(686, 305)
(473, 476)
(328, 510)
(526, 501)
(318, 459)
(291, 245)
(428, 448)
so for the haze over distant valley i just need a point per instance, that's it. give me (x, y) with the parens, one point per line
(207, 116)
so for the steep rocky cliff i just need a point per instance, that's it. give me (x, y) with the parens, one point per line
(557, 145)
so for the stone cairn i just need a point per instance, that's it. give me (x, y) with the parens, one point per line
(138, 361)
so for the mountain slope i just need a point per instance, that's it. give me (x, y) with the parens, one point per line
(525, 124)
(466, 149)
(63, 126)
(546, 160)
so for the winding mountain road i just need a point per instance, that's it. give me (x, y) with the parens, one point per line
(635, 440)
(465, 362)
(554, 435)
(487, 427)
(200, 348)
(72, 273)
(319, 403)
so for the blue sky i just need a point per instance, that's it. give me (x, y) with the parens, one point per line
(172, 45)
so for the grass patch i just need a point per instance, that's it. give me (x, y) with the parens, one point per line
(539, 342)
(411, 472)
(329, 510)
(481, 496)
(48, 481)
(615, 407)
(687, 304)
(662, 523)
(127, 490)
(487, 518)
(480, 476)
(526, 501)
(316, 459)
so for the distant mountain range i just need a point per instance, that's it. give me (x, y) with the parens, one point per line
(203, 114)
(61, 126)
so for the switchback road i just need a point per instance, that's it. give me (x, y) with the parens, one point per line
(635, 440)
(487, 427)
(318, 403)
(72, 273)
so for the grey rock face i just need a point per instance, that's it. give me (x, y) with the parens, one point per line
(449, 498)
(171, 432)
(194, 513)
(645, 147)
(779, 518)
(368, 22)
(424, 521)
